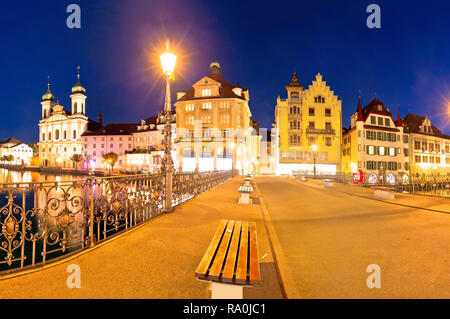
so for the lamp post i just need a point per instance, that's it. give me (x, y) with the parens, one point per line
(314, 148)
(168, 61)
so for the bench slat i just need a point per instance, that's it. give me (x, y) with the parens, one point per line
(203, 267)
(230, 264)
(216, 268)
(241, 269)
(254, 274)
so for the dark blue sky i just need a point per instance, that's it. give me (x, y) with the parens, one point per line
(258, 44)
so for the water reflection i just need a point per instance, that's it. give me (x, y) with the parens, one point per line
(8, 176)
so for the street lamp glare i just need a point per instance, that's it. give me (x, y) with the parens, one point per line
(314, 147)
(168, 61)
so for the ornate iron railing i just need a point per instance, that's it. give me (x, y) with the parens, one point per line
(433, 185)
(46, 221)
(189, 185)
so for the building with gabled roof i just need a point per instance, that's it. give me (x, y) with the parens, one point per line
(430, 148)
(307, 130)
(376, 144)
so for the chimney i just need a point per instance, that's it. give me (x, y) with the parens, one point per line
(100, 119)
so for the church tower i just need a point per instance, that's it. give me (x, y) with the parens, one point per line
(48, 101)
(78, 97)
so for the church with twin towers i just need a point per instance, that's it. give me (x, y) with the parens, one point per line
(60, 130)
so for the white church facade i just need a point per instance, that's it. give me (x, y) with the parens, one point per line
(60, 130)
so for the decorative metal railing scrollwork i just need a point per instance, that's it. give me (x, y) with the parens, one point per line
(189, 185)
(41, 222)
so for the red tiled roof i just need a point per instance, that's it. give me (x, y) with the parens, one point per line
(412, 123)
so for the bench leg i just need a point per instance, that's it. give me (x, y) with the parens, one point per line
(226, 291)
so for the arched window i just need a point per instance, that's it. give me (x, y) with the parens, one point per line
(49, 136)
(45, 114)
(43, 136)
(57, 135)
(74, 134)
(75, 107)
(65, 135)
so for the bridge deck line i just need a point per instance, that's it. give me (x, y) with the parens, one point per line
(157, 260)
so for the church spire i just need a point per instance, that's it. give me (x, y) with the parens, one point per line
(48, 96)
(294, 81)
(360, 116)
(78, 87)
(399, 119)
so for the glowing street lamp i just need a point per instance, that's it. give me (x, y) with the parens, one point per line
(168, 61)
(314, 148)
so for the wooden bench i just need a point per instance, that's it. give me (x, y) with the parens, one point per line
(384, 192)
(231, 260)
(245, 194)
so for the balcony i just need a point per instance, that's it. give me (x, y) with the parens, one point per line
(325, 131)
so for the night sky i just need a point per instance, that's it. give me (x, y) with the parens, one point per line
(258, 44)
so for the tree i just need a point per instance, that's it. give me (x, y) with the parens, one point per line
(111, 159)
(77, 158)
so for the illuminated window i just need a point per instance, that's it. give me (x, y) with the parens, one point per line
(189, 120)
(206, 105)
(189, 107)
(206, 92)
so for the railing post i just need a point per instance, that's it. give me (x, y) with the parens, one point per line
(91, 213)
(168, 189)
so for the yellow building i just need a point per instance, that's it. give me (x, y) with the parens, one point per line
(430, 149)
(308, 129)
(213, 125)
(376, 144)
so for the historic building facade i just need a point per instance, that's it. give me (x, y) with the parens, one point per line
(307, 130)
(60, 130)
(376, 144)
(213, 125)
(430, 149)
(21, 152)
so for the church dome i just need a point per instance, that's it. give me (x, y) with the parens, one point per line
(214, 68)
(78, 88)
(48, 96)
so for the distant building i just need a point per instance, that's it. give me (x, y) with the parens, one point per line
(430, 149)
(376, 144)
(139, 146)
(60, 130)
(307, 119)
(213, 125)
(116, 138)
(21, 152)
